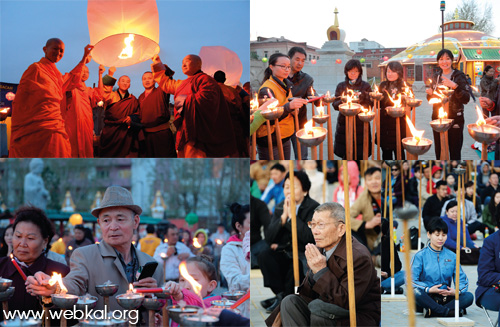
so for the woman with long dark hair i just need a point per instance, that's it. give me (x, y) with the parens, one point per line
(491, 212)
(455, 80)
(276, 85)
(489, 86)
(353, 81)
(390, 88)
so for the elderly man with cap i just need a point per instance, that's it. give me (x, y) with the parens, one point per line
(323, 299)
(113, 259)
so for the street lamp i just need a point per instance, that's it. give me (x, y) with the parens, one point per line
(442, 7)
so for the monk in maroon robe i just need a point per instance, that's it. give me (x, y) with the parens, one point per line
(120, 134)
(155, 120)
(201, 116)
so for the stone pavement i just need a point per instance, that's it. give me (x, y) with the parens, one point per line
(422, 119)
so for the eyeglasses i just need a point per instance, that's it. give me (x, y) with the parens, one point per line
(284, 67)
(395, 169)
(312, 225)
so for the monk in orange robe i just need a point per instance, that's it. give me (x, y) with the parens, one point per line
(155, 120)
(77, 114)
(121, 131)
(201, 116)
(37, 125)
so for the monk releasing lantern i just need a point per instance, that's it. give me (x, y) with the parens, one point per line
(124, 33)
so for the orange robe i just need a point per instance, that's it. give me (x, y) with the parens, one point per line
(201, 116)
(37, 125)
(77, 114)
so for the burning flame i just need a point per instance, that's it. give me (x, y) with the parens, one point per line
(4, 110)
(218, 241)
(165, 240)
(396, 101)
(312, 91)
(417, 135)
(129, 49)
(474, 88)
(408, 92)
(328, 94)
(376, 88)
(184, 273)
(442, 114)
(70, 248)
(163, 255)
(272, 105)
(130, 289)
(321, 109)
(60, 239)
(480, 121)
(57, 278)
(363, 110)
(254, 103)
(196, 244)
(349, 97)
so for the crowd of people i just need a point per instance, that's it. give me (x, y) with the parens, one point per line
(55, 115)
(119, 255)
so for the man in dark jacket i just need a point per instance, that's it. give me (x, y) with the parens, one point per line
(259, 218)
(491, 189)
(323, 298)
(434, 204)
(302, 84)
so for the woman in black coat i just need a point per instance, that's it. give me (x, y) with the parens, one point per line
(353, 73)
(394, 85)
(455, 80)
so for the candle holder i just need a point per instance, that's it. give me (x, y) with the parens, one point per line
(86, 301)
(222, 304)
(484, 134)
(316, 138)
(233, 296)
(197, 320)
(275, 114)
(153, 304)
(397, 113)
(412, 102)
(106, 290)
(350, 110)
(271, 114)
(5, 284)
(442, 126)
(103, 322)
(366, 118)
(64, 302)
(377, 96)
(320, 119)
(130, 301)
(174, 311)
(6, 295)
(416, 148)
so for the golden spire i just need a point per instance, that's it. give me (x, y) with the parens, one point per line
(456, 16)
(336, 24)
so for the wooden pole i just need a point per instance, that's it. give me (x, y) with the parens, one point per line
(374, 126)
(314, 150)
(366, 145)
(475, 184)
(484, 152)
(385, 191)
(348, 148)
(350, 269)
(391, 233)
(279, 141)
(378, 130)
(296, 118)
(254, 146)
(447, 146)
(330, 134)
(166, 318)
(295, 251)
(398, 139)
(269, 141)
(403, 180)
(464, 212)
(5, 307)
(442, 140)
(324, 180)
(457, 268)
(354, 123)
(151, 314)
(409, 290)
(420, 205)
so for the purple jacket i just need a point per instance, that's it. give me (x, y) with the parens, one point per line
(488, 267)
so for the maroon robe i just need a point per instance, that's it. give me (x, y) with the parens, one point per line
(118, 140)
(203, 118)
(155, 117)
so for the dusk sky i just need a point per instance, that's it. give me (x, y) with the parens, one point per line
(392, 23)
(185, 26)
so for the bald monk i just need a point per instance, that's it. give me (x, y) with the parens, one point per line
(241, 121)
(37, 124)
(119, 136)
(77, 114)
(201, 116)
(155, 119)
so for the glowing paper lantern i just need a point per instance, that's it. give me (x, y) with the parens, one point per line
(479, 51)
(362, 60)
(216, 58)
(433, 53)
(313, 61)
(123, 32)
(338, 61)
(75, 219)
(385, 58)
(264, 59)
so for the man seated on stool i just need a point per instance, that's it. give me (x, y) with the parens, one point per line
(323, 295)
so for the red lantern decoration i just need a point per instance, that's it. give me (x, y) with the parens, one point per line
(385, 58)
(479, 51)
(433, 53)
(338, 61)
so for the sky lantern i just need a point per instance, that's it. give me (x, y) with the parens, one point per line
(216, 58)
(124, 33)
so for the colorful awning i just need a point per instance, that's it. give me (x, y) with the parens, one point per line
(486, 54)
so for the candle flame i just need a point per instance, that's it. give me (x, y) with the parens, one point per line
(312, 91)
(196, 244)
(349, 97)
(328, 94)
(363, 110)
(131, 289)
(184, 273)
(254, 103)
(218, 241)
(100, 103)
(442, 114)
(60, 239)
(376, 88)
(417, 135)
(165, 240)
(396, 101)
(128, 51)
(70, 248)
(408, 92)
(57, 278)
(272, 105)
(163, 255)
(474, 88)
(480, 121)
(308, 127)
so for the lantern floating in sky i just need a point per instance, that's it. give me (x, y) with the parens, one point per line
(123, 33)
(216, 58)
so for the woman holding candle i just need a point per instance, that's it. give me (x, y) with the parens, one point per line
(353, 81)
(455, 80)
(276, 85)
(276, 263)
(433, 271)
(32, 232)
(393, 86)
(6, 248)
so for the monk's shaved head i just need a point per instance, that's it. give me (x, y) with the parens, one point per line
(191, 64)
(124, 83)
(54, 49)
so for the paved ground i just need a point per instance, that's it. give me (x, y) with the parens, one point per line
(422, 119)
